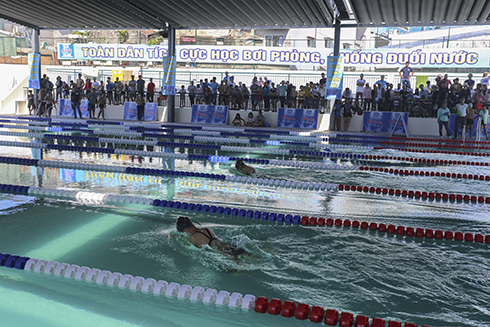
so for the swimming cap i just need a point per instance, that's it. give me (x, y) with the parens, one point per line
(183, 223)
(239, 163)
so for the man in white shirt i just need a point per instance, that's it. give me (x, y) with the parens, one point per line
(485, 79)
(360, 87)
(461, 109)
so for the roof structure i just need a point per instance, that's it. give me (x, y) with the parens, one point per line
(239, 14)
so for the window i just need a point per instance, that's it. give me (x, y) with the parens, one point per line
(220, 40)
(274, 40)
(311, 42)
(328, 42)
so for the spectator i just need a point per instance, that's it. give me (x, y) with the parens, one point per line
(102, 104)
(461, 112)
(293, 96)
(30, 102)
(483, 114)
(337, 108)
(274, 97)
(406, 73)
(92, 102)
(250, 120)
(472, 113)
(443, 118)
(444, 80)
(381, 81)
(360, 87)
(485, 79)
(150, 91)
(347, 111)
(379, 93)
(49, 104)
(80, 83)
(457, 85)
(140, 105)
(266, 95)
(182, 93)
(192, 92)
(110, 92)
(76, 97)
(132, 89)
(245, 96)
(238, 121)
(260, 121)
(323, 80)
(367, 96)
(59, 87)
(283, 91)
(95, 84)
(470, 81)
(347, 93)
(213, 91)
(323, 102)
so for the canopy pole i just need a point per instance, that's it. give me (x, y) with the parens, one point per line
(171, 52)
(336, 41)
(35, 49)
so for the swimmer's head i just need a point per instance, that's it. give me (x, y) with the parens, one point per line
(239, 164)
(183, 223)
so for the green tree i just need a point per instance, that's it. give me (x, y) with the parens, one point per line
(155, 40)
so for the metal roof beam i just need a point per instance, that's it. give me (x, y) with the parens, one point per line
(463, 13)
(485, 12)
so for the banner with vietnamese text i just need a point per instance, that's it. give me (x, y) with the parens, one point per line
(209, 114)
(379, 58)
(384, 121)
(297, 118)
(33, 60)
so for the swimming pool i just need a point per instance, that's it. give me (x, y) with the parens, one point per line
(366, 272)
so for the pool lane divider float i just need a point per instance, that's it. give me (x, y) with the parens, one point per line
(331, 155)
(253, 180)
(127, 281)
(92, 198)
(477, 154)
(221, 298)
(406, 172)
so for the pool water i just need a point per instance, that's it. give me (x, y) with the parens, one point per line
(431, 282)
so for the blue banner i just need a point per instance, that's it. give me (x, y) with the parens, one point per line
(33, 60)
(131, 111)
(384, 121)
(385, 57)
(151, 111)
(335, 77)
(297, 118)
(169, 67)
(209, 114)
(67, 111)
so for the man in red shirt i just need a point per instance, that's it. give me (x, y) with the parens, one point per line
(88, 86)
(150, 91)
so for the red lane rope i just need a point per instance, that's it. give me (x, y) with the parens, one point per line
(436, 140)
(330, 317)
(418, 194)
(397, 230)
(478, 154)
(427, 161)
(429, 145)
(407, 172)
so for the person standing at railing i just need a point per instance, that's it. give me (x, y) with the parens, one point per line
(182, 93)
(76, 97)
(470, 81)
(132, 89)
(379, 94)
(483, 115)
(443, 119)
(282, 92)
(406, 73)
(367, 96)
(150, 91)
(360, 87)
(461, 112)
(213, 91)
(59, 87)
(245, 96)
(140, 85)
(192, 92)
(140, 105)
(109, 86)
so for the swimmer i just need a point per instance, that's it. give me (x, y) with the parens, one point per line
(202, 236)
(247, 170)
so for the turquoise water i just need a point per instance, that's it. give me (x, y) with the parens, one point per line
(437, 283)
